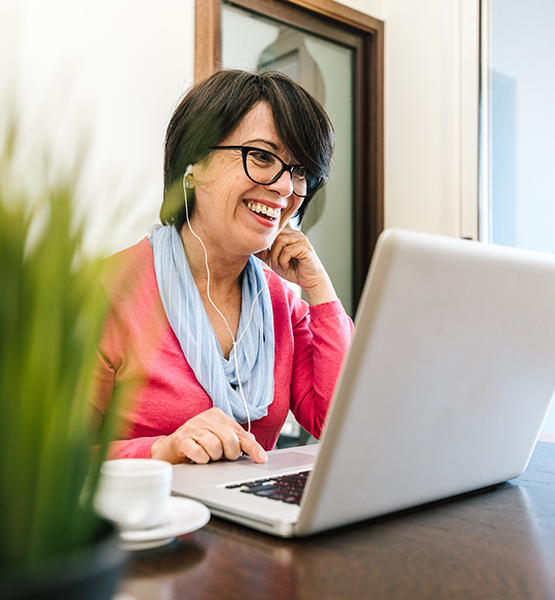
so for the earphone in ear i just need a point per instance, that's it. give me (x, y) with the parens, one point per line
(188, 171)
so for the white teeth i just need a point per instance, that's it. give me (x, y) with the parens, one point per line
(263, 209)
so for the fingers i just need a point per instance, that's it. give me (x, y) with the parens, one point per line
(203, 445)
(252, 448)
(287, 245)
(210, 435)
(294, 259)
(284, 253)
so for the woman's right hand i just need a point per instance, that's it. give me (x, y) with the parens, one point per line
(210, 435)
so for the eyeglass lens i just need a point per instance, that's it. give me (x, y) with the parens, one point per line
(264, 167)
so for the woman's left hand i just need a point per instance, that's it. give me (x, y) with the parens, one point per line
(293, 258)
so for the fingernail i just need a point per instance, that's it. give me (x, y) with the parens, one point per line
(262, 456)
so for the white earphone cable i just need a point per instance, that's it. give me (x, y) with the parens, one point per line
(235, 342)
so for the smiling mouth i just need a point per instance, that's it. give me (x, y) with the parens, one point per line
(264, 211)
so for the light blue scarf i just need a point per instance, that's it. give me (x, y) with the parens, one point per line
(191, 325)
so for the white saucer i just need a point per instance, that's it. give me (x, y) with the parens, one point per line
(182, 516)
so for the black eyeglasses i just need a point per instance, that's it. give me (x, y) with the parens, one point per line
(265, 167)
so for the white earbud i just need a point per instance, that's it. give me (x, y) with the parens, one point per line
(188, 171)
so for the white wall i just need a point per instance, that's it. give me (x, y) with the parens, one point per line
(523, 145)
(106, 73)
(431, 113)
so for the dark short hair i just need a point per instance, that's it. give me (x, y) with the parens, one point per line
(214, 107)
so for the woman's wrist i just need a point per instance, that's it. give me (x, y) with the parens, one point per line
(157, 448)
(321, 293)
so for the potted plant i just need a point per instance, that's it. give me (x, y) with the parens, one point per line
(52, 544)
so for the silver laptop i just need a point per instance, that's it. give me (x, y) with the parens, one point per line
(444, 390)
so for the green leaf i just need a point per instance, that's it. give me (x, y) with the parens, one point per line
(52, 312)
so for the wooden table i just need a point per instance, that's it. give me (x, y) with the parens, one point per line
(497, 543)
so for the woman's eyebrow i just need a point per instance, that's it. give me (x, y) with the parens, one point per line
(258, 140)
(275, 147)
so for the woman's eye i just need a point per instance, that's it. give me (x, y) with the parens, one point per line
(299, 172)
(261, 157)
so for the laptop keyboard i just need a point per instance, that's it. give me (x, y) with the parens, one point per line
(286, 488)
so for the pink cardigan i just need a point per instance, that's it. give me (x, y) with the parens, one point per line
(140, 349)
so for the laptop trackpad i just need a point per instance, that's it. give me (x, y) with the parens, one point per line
(283, 461)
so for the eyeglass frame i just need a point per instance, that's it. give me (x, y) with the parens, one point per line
(284, 167)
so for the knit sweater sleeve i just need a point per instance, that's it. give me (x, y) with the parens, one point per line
(322, 337)
(130, 337)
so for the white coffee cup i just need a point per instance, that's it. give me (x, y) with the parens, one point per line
(133, 492)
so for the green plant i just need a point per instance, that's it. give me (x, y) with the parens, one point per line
(51, 317)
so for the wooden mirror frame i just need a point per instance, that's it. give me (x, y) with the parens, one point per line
(365, 35)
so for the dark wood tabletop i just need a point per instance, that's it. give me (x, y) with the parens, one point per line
(496, 543)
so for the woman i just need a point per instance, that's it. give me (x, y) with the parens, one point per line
(221, 346)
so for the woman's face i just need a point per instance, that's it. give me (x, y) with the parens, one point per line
(228, 207)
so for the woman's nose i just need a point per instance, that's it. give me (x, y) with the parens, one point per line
(284, 185)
